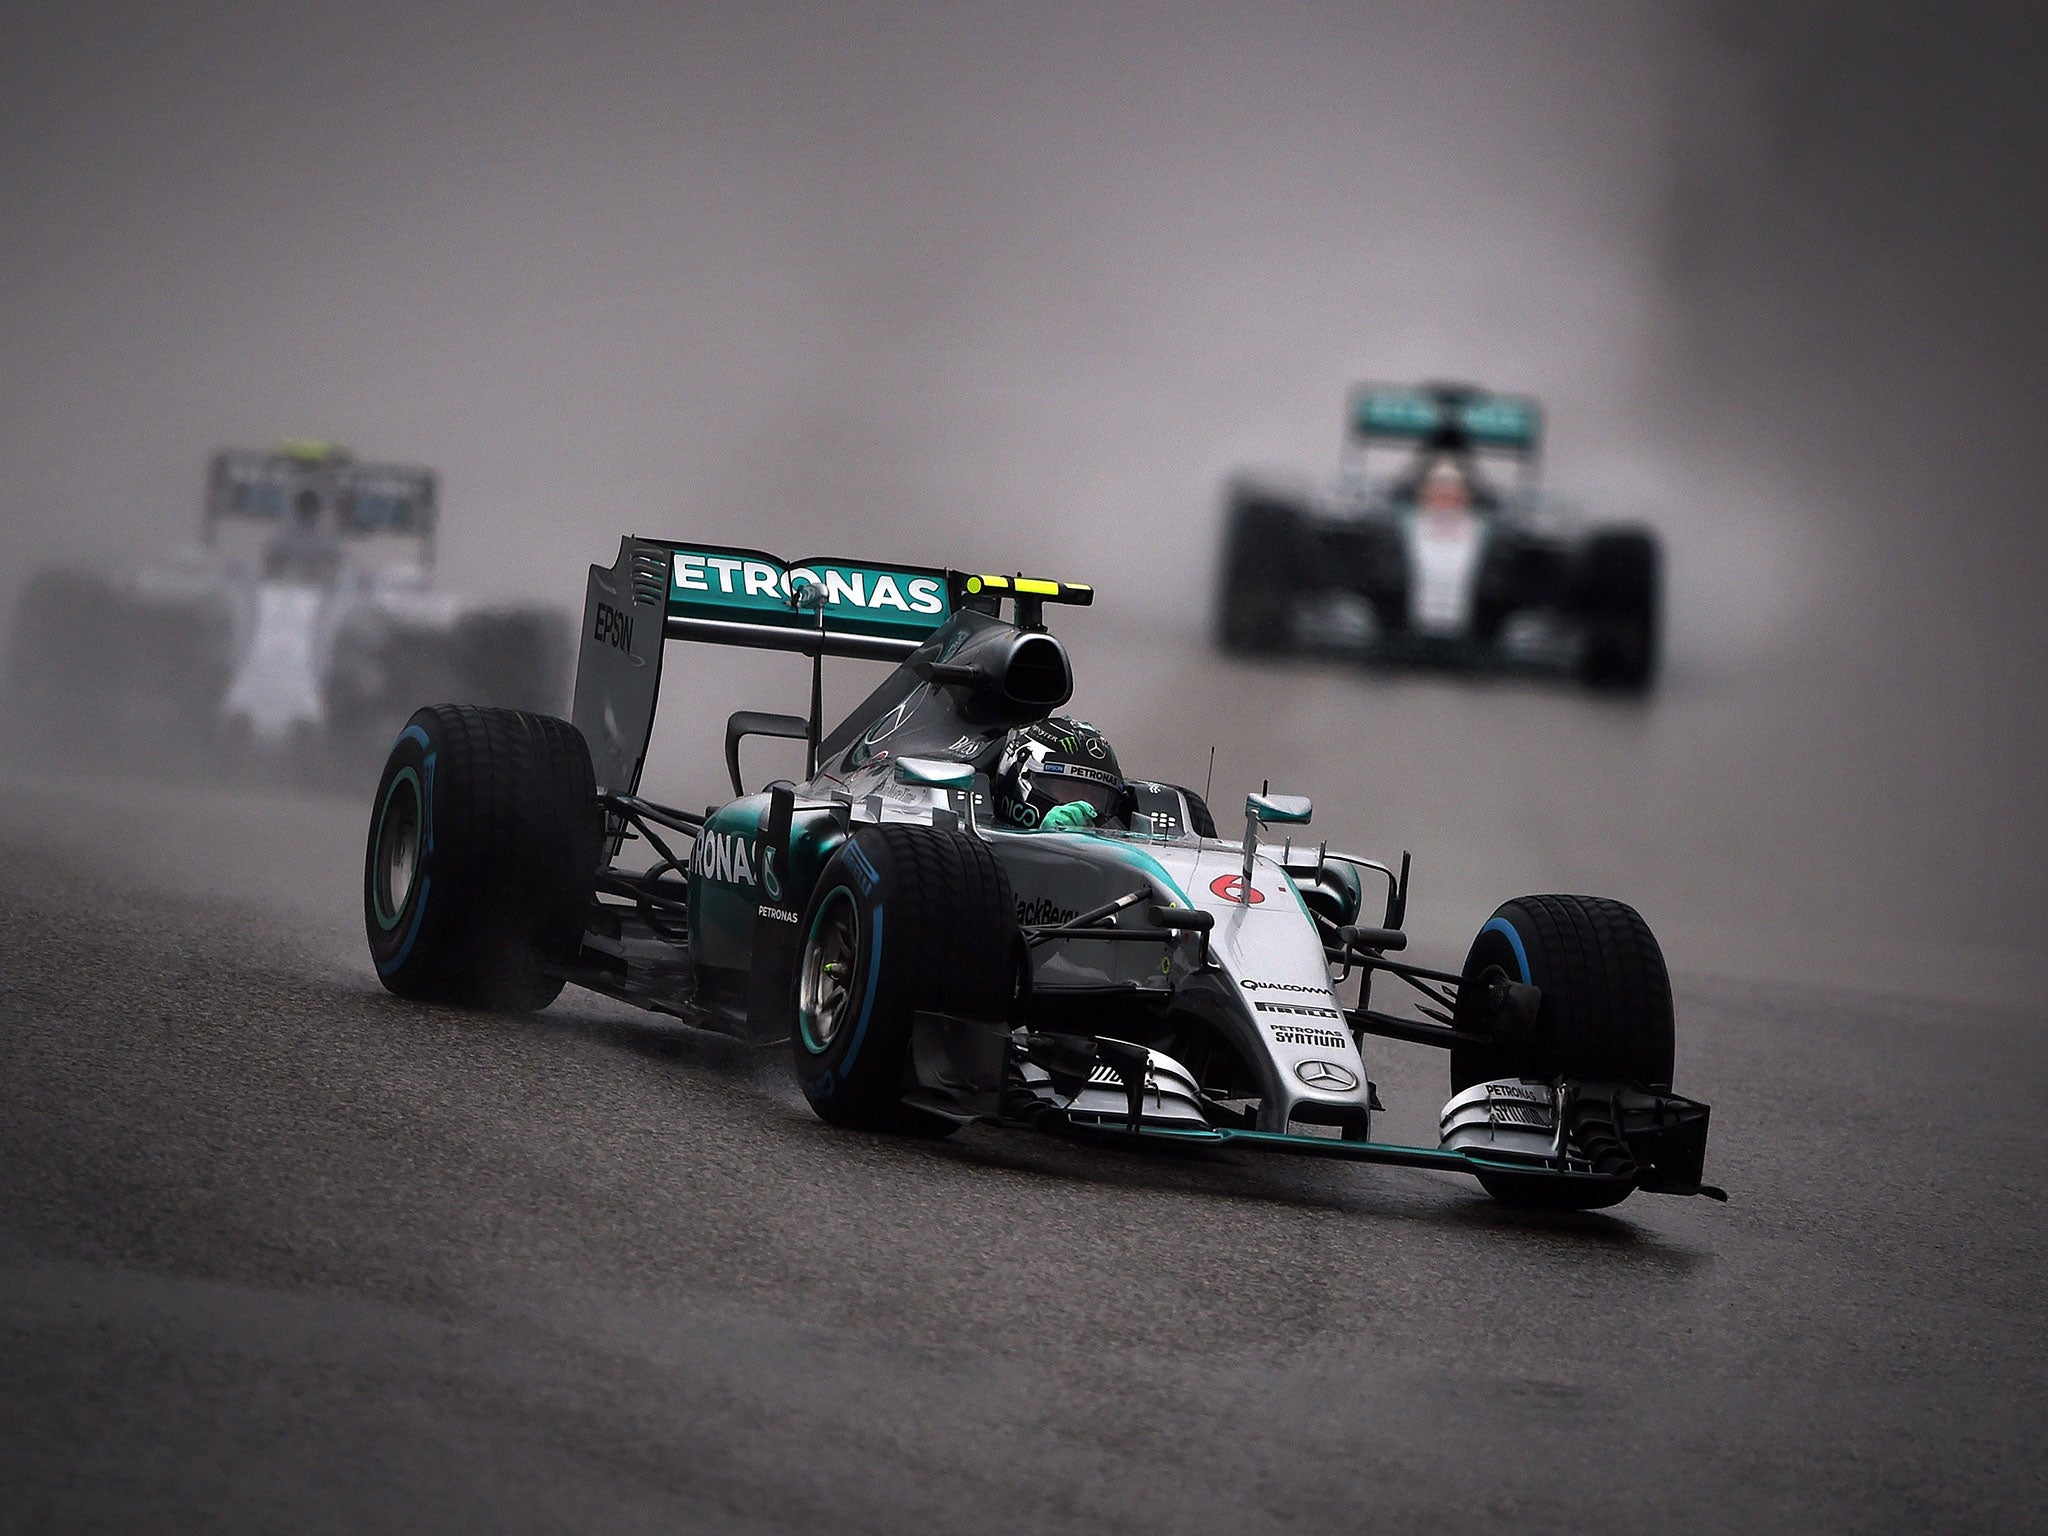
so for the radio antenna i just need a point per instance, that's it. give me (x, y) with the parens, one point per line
(1210, 782)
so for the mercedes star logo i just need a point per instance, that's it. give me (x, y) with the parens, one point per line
(1327, 1075)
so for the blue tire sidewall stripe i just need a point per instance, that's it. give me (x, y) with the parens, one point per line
(414, 733)
(867, 1002)
(377, 843)
(1501, 925)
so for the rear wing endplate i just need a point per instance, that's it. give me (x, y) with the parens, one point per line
(658, 590)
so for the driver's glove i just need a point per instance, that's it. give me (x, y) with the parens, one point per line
(1068, 817)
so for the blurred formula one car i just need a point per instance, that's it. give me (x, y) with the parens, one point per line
(932, 964)
(306, 613)
(1438, 562)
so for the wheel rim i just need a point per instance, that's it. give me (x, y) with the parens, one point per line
(396, 864)
(825, 983)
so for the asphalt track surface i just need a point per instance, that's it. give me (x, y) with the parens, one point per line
(278, 1251)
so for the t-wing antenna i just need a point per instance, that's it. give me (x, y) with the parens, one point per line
(810, 595)
(1028, 594)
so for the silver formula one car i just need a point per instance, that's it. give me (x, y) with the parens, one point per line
(1142, 980)
(305, 614)
(1456, 558)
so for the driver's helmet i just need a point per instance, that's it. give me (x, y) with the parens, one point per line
(1056, 762)
(1444, 487)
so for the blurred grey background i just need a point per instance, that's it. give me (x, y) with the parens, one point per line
(1016, 287)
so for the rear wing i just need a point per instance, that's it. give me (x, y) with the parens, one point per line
(818, 607)
(346, 497)
(658, 591)
(1450, 417)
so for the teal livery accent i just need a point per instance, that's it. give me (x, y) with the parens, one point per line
(730, 876)
(1509, 423)
(814, 836)
(1137, 858)
(1295, 891)
(1346, 875)
(1398, 414)
(745, 586)
(1491, 421)
(725, 885)
(419, 910)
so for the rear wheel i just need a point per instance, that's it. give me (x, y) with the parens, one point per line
(1261, 574)
(483, 849)
(903, 918)
(1605, 1015)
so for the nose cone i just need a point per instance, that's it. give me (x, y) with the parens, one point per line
(277, 692)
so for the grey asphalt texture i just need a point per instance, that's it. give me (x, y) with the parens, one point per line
(280, 1252)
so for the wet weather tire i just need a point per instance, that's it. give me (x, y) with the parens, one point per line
(903, 918)
(1261, 574)
(1620, 594)
(1605, 1014)
(484, 842)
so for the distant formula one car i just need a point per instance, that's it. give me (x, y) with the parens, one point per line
(930, 966)
(1438, 564)
(327, 631)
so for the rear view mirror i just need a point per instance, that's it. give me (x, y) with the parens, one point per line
(1259, 810)
(1292, 809)
(753, 722)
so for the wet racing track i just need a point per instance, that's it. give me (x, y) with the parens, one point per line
(278, 1251)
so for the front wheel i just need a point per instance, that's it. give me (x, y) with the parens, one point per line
(1619, 601)
(1261, 574)
(1605, 1016)
(903, 918)
(483, 851)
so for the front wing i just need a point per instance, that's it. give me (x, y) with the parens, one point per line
(1668, 1164)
